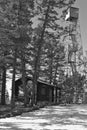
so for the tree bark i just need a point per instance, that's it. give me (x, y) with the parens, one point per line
(3, 86)
(24, 77)
(13, 79)
(37, 58)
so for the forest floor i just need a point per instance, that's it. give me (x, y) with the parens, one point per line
(6, 111)
(60, 117)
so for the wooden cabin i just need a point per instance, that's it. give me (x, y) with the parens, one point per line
(45, 91)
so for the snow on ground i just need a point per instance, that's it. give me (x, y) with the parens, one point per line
(49, 118)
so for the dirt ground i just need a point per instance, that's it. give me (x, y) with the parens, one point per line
(49, 118)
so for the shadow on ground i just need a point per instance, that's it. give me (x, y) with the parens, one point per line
(49, 118)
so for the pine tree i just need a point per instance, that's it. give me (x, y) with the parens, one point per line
(16, 25)
(27, 41)
(48, 12)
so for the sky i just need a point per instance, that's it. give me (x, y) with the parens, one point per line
(82, 5)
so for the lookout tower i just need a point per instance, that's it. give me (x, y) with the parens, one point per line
(72, 17)
(72, 14)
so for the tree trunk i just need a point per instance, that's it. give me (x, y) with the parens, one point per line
(3, 86)
(35, 77)
(37, 58)
(13, 80)
(54, 82)
(51, 66)
(24, 78)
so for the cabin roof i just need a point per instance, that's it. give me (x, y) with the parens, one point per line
(18, 82)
